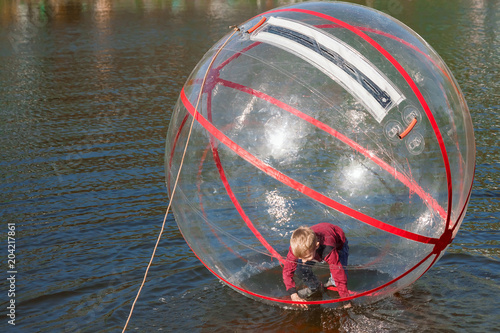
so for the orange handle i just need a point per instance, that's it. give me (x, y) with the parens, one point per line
(408, 129)
(252, 29)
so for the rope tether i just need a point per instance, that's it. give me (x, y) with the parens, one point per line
(235, 29)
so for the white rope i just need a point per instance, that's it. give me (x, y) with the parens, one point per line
(235, 29)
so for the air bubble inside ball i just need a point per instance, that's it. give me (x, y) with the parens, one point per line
(320, 112)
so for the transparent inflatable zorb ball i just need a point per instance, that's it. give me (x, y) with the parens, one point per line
(320, 112)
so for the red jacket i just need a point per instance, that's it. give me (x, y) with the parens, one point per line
(331, 239)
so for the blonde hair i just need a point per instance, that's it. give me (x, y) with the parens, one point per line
(303, 241)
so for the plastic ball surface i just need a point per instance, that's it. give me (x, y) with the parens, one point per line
(320, 112)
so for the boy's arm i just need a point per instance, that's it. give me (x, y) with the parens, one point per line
(288, 271)
(338, 273)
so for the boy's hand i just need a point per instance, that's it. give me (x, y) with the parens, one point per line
(296, 298)
(348, 305)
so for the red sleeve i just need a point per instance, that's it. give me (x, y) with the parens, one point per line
(288, 271)
(338, 273)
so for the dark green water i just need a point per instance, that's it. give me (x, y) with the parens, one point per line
(86, 93)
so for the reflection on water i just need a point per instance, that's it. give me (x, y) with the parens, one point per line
(86, 92)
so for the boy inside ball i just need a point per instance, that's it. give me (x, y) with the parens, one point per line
(323, 242)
